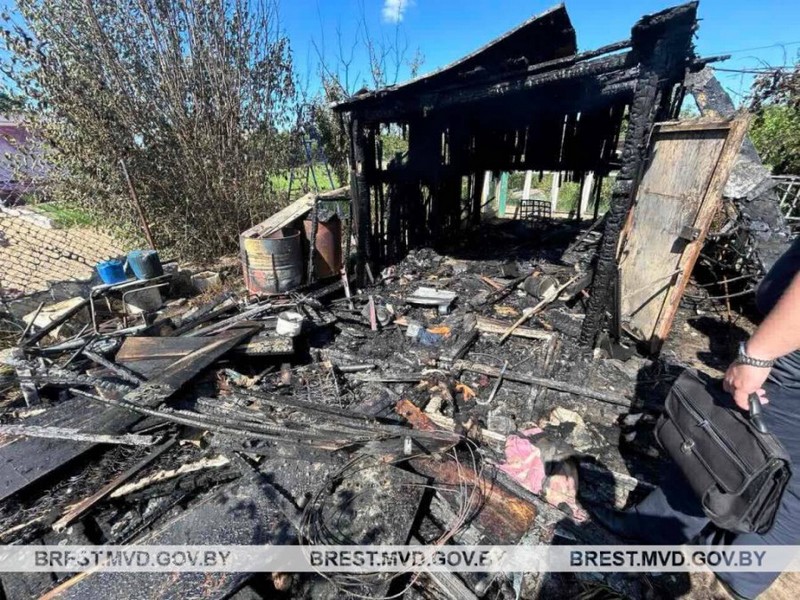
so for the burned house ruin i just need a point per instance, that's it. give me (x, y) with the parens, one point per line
(526, 101)
(442, 398)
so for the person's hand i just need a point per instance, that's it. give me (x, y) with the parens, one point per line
(743, 380)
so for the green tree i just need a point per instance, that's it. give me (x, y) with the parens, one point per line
(776, 127)
(191, 95)
(776, 135)
(383, 56)
(9, 104)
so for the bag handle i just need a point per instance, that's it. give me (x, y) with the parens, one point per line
(755, 413)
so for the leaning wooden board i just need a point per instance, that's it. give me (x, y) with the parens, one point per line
(676, 200)
(291, 213)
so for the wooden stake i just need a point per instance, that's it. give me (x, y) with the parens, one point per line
(30, 323)
(138, 206)
(530, 312)
(79, 509)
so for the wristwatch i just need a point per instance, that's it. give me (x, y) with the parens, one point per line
(743, 359)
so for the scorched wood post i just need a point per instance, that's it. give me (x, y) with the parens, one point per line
(361, 162)
(662, 44)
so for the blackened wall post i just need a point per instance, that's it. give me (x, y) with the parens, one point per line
(662, 45)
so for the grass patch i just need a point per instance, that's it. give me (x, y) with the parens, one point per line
(569, 194)
(280, 182)
(66, 215)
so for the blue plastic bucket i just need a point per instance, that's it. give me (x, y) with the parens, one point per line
(111, 271)
(145, 264)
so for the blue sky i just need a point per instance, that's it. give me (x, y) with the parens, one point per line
(445, 30)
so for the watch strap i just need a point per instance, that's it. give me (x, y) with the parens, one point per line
(744, 359)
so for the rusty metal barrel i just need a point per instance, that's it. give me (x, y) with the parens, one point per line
(328, 246)
(273, 264)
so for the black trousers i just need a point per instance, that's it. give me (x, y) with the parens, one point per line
(672, 514)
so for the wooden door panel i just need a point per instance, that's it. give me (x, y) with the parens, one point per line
(680, 191)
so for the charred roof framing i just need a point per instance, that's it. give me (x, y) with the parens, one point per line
(527, 101)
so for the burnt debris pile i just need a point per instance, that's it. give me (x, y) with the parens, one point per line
(446, 402)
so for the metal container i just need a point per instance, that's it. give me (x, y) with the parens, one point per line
(538, 287)
(328, 244)
(274, 264)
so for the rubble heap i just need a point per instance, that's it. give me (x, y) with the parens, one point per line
(446, 403)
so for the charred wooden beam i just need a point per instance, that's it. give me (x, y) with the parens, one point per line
(120, 371)
(75, 435)
(662, 43)
(359, 184)
(85, 505)
(243, 316)
(527, 82)
(551, 384)
(42, 333)
(158, 389)
(488, 77)
(522, 81)
(219, 306)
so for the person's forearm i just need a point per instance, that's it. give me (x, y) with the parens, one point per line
(779, 334)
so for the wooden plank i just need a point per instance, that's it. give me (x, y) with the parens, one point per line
(70, 433)
(502, 515)
(689, 125)
(551, 384)
(674, 191)
(709, 207)
(78, 510)
(488, 325)
(142, 348)
(179, 372)
(149, 356)
(25, 461)
(288, 215)
(42, 333)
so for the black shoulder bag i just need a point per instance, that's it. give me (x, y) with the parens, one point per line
(734, 465)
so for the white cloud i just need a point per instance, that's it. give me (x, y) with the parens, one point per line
(394, 10)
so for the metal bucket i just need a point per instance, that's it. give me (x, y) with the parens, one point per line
(274, 264)
(328, 244)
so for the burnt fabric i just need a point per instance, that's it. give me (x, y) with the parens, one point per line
(544, 469)
(786, 372)
(672, 514)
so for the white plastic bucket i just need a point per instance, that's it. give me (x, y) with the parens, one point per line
(289, 323)
(206, 280)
